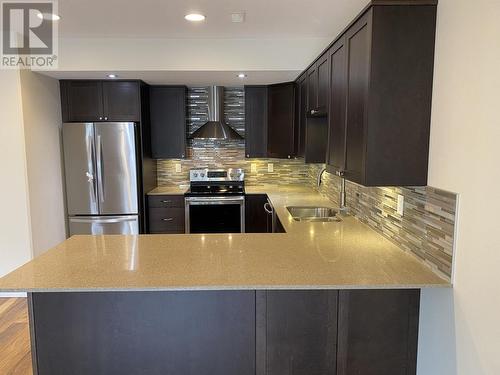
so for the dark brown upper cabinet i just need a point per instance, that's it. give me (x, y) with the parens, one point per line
(281, 132)
(91, 100)
(386, 91)
(256, 116)
(312, 131)
(323, 84)
(168, 121)
(122, 100)
(337, 108)
(301, 114)
(81, 101)
(312, 88)
(318, 87)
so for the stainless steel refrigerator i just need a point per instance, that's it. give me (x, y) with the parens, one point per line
(100, 162)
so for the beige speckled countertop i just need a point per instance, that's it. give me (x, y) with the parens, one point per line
(334, 255)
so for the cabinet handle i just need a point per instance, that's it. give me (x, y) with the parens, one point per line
(166, 201)
(339, 173)
(268, 208)
(313, 111)
(168, 219)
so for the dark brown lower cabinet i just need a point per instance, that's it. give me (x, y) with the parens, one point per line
(146, 333)
(255, 214)
(273, 332)
(346, 332)
(166, 214)
(296, 332)
(378, 332)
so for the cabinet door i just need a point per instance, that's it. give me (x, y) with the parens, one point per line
(312, 88)
(337, 109)
(82, 101)
(256, 121)
(296, 332)
(255, 214)
(121, 100)
(281, 121)
(358, 49)
(147, 333)
(302, 115)
(168, 121)
(323, 82)
(378, 331)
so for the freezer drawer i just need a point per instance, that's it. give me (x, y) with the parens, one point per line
(128, 224)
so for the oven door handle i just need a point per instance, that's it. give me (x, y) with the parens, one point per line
(214, 200)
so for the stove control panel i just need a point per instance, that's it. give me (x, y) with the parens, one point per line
(230, 174)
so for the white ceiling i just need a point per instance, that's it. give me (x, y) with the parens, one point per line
(165, 18)
(150, 39)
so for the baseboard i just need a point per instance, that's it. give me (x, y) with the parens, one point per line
(13, 295)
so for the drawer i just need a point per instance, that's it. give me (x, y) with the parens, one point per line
(166, 219)
(166, 200)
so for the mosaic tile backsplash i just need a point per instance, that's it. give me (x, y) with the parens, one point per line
(228, 154)
(426, 229)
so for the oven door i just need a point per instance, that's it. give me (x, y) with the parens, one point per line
(215, 214)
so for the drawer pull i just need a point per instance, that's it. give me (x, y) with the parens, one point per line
(168, 219)
(166, 201)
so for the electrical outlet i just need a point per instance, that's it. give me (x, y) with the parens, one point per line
(401, 204)
(270, 167)
(178, 168)
(253, 168)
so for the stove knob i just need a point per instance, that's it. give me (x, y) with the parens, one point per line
(196, 174)
(202, 174)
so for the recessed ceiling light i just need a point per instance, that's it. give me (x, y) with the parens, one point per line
(112, 76)
(242, 75)
(194, 17)
(48, 16)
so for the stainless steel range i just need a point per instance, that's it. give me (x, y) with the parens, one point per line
(215, 202)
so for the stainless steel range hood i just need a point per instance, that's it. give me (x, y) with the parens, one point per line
(215, 127)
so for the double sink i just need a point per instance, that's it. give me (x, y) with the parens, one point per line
(311, 213)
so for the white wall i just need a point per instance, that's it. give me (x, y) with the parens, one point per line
(15, 238)
(42, 124)
(460, 328)
(136, 54)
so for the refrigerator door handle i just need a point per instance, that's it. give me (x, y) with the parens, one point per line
(91, 174)
(100, 182)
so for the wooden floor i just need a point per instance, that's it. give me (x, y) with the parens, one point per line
(15, 354)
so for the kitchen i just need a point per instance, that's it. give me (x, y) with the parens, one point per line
(251, 223)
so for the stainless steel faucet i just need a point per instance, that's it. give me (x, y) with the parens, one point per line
(320, 174)
(342, 196)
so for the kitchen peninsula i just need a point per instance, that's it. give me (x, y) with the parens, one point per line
(306, 300)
